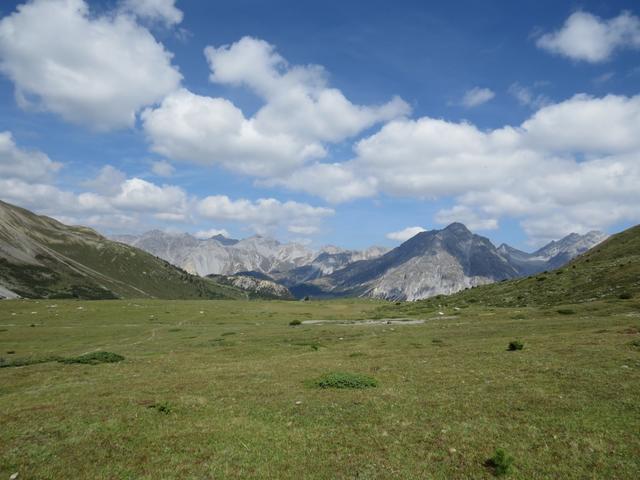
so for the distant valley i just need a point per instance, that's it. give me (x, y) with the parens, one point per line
(40, 257)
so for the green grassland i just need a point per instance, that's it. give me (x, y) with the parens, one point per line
(228, 389)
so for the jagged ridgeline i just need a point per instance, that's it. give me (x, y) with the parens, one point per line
(608, 271)
(43, 258)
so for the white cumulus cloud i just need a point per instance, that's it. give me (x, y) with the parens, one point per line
(299, 116)
(155, 10)
(29, 165)
(262, 214)
(575, 161)
(95, 70)
(589, 38)
(208, 130)
(477, 96)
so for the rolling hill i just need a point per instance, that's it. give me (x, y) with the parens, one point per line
(43, 258)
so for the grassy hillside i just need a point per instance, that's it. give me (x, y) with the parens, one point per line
(230, 390)
(40, 257)
(611, 270)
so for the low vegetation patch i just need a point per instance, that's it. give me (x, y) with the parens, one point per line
(501, 463)
(162, 407)
(295, 323)
(311, 344)
(515, 345)
(344, 380)
(23, 362)
(94, 358)
(566, 311)
(625, 296)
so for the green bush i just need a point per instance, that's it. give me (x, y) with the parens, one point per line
(344, 380)
(501, 463)
(566, 311)
(94, 358)
(295, 323)
(23, 362)
(162, 407)
(515, 345)
(625, 296)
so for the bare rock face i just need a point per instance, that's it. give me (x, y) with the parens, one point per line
(220, 255)
(5, 293)
(554, 254)
(262, 287)
(442, 262)
(224, 256)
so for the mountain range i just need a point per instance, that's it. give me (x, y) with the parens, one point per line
(41, 257)
(430, 263)
(609, 271)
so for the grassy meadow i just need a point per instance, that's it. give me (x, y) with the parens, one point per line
(224, 389)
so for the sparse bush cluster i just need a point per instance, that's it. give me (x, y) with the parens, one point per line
(295, 323)
(625, 296)
(515, 345)
(566, 311)
(501, 463)
(162, 407)
(94, 358)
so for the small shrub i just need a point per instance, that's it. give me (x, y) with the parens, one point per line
(295, 323)
(501, 463)
(515, 345)
(566, 311)
(625, 296)
(94, 358)
(226, 334)
(344, 380)
(173, 330)
(541, 279)
(635, 343)
(162, 407)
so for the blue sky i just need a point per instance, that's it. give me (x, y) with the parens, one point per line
(487, 127)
